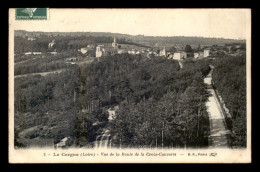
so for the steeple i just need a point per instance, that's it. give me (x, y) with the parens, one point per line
(114, 44)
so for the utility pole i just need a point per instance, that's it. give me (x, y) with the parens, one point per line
(110, 95)
(156, 142)
(198, 120)
(162, 134)
(120, 142)
(74, 95)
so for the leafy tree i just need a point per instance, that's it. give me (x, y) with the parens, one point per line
(188, 49)
(172, 49)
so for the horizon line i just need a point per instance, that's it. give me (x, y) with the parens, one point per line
(239, 39)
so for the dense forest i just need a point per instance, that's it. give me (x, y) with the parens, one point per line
(45, 106)
(159, 103)
(229, 78)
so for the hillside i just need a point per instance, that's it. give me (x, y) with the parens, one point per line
(147, 40)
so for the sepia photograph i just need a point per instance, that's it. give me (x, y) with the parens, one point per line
(129, 85)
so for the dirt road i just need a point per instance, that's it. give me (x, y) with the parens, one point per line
(218, 132)
(42, 73)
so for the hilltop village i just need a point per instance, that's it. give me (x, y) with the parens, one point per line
(178, 53)
(115, 48)
(97, 49)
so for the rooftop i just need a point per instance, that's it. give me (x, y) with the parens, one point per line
(179, 52)
(109, 49)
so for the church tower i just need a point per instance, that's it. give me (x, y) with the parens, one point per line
(114, 44)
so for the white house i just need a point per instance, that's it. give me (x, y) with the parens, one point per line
(98, 51)
(198, 55)
(104, 51)
(133, 51)
(83, 50)
(91, 46)
(206, 52)
(178, 55)
(121, 51)
(163, 52)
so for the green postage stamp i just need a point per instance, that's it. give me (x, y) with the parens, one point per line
(31, 14)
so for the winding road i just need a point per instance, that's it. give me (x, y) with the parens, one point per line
(24, 61)
(218, 132)
(104, 140)
(41, 73)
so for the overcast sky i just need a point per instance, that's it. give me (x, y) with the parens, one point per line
(218, 23)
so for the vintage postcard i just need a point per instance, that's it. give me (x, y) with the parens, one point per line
(129, 85)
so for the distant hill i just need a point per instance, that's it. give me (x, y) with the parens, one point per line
(145, 40)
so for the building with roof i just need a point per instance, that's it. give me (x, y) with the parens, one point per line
(167, 52)
(198, 55)
(121, 51)
(114, 44)
(84, 50)
(133, 51)
(91, 46)
(105, 51)
(178, 55)
(206, 52)
(98, 51)
(163, 52)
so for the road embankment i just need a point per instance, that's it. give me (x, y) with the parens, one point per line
(219, 134)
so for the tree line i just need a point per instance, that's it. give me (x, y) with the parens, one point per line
(45, 104)
(159, 104)
(229, 78)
